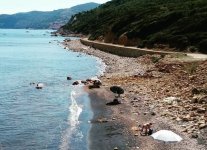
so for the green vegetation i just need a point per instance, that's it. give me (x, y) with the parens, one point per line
(42, 20)
(191, 67)
(180, 24)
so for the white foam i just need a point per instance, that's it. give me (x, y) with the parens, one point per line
(101, 68)
(73, 122)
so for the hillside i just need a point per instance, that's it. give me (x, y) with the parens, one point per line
(175, 24)
(43, 20)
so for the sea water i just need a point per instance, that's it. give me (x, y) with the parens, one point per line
(55, 117)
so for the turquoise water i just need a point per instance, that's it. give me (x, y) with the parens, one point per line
(55, 117)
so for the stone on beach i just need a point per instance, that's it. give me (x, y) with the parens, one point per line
(114, 102)
(171, 100)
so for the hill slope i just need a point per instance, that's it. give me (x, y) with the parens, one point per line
(43, 20)
(180, 24)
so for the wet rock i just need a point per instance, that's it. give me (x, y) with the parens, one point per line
(69, 78)
(88, 80)
(84, 82)
(97, 83)
(75, 83)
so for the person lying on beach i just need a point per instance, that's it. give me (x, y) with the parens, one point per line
(146, 129)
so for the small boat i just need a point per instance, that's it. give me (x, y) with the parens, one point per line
(39, 86)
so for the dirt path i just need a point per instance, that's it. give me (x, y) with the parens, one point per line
(197, 56)
(119, 50)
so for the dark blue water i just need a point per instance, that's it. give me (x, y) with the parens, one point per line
(55, 117)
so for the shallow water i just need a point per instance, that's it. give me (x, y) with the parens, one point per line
(55, 117)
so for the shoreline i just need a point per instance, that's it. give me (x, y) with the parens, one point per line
(123, 120)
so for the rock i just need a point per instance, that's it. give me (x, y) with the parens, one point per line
(113, 118)
(201, 122)
(88, 80)
(187, 118)
(199, 99)
(170, 100)
(145, 113)
(69, 78)
(185, 130)
(178, 119)
(195, 91)
(194, 108)
(202, 126)
(199, 91)
(102, 120)
(135, 129)
(203, 99)
(201, 110)
(193, 77)
(194, 135)
(153, 113)
(115, 102)
(194, 100)
(84, 82)
(192, 114)
(75, 83)
(97, 83)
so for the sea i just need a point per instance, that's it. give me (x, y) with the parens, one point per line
(56, 117)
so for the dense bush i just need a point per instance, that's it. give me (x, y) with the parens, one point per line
(178, 23)
(203, 46)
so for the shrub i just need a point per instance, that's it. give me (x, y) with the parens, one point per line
(192, 49)
(191, 67)
(203, 46)
(179, 41)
